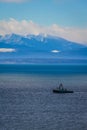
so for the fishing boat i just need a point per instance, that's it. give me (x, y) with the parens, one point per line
(60, 89)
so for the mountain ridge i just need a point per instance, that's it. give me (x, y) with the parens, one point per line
(40, 46)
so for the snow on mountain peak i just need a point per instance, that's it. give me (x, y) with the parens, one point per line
(11, 38)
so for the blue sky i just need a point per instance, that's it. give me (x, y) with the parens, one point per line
(46, 12)
(59, 14)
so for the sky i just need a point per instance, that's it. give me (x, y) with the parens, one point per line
(62, 18)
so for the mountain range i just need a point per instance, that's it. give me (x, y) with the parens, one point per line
(14, 46)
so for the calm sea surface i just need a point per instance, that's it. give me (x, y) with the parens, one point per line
(28, 103)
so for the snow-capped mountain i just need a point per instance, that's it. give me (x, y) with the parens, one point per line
(39, 46)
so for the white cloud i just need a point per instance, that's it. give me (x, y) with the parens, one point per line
(25, 27)
(13, 1)
(7, 50)
(55, 51)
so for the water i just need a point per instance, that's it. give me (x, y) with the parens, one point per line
(27, 101)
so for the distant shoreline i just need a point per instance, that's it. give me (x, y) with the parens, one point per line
(53, 61)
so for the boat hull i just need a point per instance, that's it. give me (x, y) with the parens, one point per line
(62, 91)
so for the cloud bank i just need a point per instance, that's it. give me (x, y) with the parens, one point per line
(7, 50)
(25, 27)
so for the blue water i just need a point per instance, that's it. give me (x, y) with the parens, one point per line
(27, 101)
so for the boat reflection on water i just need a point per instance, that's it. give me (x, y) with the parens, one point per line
(61, 89)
